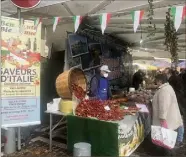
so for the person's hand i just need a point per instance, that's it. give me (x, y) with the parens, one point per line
(86, 97)
(164, 123)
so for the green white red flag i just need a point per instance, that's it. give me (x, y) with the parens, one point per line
(77, 22)
(56, 20)
(178, 13)
(104, 20)
(137, 17)
(37, 21)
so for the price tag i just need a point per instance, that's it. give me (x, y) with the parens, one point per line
(143, 108)
(126, 108)
(107, 108)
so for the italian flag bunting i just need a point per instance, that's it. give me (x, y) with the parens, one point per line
(77, 22)
(104, 20)
(37, 22)
(178, 13)
(56, 20)
(137, 17)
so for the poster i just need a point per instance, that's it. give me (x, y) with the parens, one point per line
(129, 142)
(20, 73)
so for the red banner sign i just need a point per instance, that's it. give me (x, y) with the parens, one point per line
(26, 4)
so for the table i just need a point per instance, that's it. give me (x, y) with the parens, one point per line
(62, 121)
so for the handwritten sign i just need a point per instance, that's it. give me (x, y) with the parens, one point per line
(143, 108)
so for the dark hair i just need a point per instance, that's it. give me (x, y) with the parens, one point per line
(162, 78)
(169, 70)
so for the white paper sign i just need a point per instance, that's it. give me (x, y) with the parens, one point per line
(143, 108)
(107, 108)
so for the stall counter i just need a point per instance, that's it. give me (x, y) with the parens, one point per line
(119, 138)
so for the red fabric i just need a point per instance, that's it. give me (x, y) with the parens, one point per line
(159, 143)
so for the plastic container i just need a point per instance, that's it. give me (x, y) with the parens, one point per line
(82, 149)
(131, 89)
(10, 144)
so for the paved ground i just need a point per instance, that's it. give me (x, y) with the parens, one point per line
(41, 149)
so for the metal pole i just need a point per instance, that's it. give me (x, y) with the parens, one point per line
(19, 17)
(19, 129)
(50, 132)
(0, 88)
(19, 138)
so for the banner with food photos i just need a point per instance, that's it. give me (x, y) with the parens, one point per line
(20, 72)
(130, 141)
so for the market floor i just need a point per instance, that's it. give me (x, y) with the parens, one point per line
(39, 149)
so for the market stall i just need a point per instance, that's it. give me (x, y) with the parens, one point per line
(113, 127)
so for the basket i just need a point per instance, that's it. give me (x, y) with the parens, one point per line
(66, 79)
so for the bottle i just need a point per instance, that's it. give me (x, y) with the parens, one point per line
(29, 43)
(144, 84)
(140, 87)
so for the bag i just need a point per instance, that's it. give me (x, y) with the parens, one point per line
(163, 137)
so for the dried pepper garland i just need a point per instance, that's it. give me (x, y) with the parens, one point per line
(171, 39)
(151, 27)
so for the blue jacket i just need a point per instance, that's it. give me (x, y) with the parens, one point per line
(94, 87)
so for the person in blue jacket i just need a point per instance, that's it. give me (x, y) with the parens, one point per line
(99, 84)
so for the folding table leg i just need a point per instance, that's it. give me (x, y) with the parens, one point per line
(50, 132)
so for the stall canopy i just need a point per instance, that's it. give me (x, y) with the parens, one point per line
(161, 64)
(120, 25)
(145, 66)
(182, 64)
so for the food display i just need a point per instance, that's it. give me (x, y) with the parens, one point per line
(103, 110)
(78, 91)
(109, 110)
(100, 110)
(140, 96)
